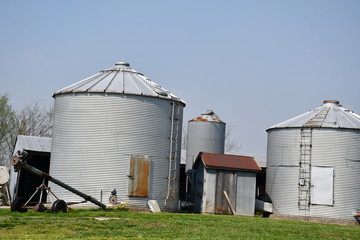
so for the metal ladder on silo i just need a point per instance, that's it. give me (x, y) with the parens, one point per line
(173, 153)
(305, 169)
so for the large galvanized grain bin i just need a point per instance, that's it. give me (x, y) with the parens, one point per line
(313, 164)
(206, 133)
(118, 130)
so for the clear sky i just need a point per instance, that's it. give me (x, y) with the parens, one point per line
(255, 63)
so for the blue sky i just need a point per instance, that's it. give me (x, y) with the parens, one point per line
(255, 63)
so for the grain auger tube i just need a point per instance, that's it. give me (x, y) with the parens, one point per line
(19, 162)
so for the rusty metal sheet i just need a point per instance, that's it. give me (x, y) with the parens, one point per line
(139, 175)
(228, 161)
(208, 116)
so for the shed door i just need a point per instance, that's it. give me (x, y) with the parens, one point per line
(139, 175)
(225, 181)
(322, 185)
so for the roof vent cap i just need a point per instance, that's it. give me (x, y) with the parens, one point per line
(331, 101)
(122, 64)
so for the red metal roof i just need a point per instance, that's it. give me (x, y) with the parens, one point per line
(216, 160)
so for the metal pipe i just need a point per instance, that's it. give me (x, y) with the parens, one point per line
(19, 163)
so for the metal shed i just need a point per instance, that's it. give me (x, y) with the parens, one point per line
(23, 183)
(216, 173)
(313, 163)
(118, 130)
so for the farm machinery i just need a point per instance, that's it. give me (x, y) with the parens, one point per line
(21, 204)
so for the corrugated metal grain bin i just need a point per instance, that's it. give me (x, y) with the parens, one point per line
(118, 130)
(206, 133)
(313, 163)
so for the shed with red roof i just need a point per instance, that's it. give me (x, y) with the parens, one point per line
(216, 173)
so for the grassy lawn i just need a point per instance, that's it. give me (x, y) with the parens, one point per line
(117, 224)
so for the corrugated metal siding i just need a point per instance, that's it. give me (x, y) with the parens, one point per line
(283, 170)
(340, 149)
(203, 136)
(283, 149)
(208, 204)
(282, 187)
(245, 193)
(337, 148)
(94, 135)
(225, 181)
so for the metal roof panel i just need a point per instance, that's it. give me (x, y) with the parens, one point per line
(227, 161)
(329, 115)
(120, 79)
(31, 143)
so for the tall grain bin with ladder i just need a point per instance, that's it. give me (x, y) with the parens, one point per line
(118, 130)
(313, 164)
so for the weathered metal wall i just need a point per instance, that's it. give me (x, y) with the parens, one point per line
(225, 181)
(94, 136)
(208, 203)
(245, 194)
(210, 184)
(204, 136)
(336, 148)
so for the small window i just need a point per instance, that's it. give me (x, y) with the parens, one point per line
(139, 175)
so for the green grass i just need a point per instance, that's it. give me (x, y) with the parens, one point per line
(82, 224)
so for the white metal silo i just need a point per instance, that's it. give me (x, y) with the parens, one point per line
(205, 133)
(313, 163)
(118, 130)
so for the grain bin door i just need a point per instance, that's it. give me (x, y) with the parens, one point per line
(139, 175)
(322, 185)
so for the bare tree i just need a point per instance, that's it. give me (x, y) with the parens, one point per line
(7, 117)
(230, 144)
(32, 120)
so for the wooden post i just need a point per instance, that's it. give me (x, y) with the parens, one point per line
(229, 202)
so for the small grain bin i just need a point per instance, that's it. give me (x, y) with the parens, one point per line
(118, 130)
(206, 133)
(313, 163)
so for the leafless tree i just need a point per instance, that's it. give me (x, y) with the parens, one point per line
(7, 117)
(32, 120)
(230, 144)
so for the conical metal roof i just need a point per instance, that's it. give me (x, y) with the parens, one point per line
(208, 116)
(330, 115)
(119, 79)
